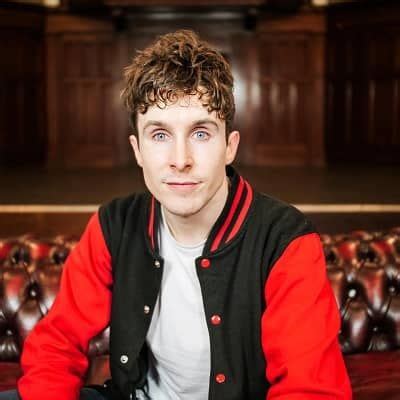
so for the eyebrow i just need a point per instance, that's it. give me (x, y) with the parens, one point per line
(195, 123)
(204, 122)
(154, 123)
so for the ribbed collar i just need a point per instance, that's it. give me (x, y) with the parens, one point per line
(229, 222)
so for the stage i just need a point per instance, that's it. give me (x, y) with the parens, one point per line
(335, 198)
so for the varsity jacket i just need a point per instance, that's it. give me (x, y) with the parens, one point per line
(271, 314)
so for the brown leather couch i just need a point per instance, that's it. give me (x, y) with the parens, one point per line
(363, 267)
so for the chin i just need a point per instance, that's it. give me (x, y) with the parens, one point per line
(181, 208)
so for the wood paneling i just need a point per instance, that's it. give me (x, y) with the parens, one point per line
(86, 122)
(363, 84)
(278, 70)
(22, 134)
(291, 102)
(44, 224)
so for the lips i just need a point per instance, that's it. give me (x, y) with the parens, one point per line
(181, 183)
(182, 186)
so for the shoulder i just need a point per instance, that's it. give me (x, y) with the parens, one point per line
(115, 214)
(279, 215)
(280, 223)
(119, 207)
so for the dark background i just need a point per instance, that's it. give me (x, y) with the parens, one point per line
(317, 91)
(314, 85)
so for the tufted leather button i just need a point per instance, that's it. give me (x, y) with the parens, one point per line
(216, 319)
(367, 283)
(220, 378)
(352, 293)
(146, 309)
(59, 254)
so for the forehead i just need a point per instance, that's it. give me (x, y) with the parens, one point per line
(181, 113)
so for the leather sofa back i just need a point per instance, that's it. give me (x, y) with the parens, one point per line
(363, 268)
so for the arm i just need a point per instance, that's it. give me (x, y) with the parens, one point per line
(54, 359)
(300, 327)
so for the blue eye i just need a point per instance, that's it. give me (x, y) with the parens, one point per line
(201, 135)
(160, 136)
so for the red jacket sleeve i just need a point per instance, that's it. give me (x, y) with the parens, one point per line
(300, 327)
(54, 359)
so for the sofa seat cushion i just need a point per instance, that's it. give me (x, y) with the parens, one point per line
(9, 374)
(374, 375)
(98, 373)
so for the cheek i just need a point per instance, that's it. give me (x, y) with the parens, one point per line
(153, 157)
(215, 165)
(154, 166)
(213, 153)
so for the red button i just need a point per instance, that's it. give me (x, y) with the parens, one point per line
(205, 263)
(220, 378)
(216, 319)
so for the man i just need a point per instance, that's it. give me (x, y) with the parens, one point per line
(212, 291)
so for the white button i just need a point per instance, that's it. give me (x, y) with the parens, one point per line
(146, 309)
(157, 264)
(124, 359)
(352, 293)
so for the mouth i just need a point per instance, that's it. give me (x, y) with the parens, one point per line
(187, 186)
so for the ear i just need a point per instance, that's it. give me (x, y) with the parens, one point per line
(232, 146)
(135, 146)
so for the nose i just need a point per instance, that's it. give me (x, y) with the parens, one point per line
(181, 157)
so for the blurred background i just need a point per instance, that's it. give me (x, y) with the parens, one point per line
(317, 89)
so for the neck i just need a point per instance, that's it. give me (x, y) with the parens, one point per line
(195, 228)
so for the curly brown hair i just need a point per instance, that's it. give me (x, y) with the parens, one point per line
(177, 64)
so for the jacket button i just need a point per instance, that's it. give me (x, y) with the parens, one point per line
(205, 263)
(216, 319)
(220, 378)
(146, 309)
(124, 359)
(157, 264)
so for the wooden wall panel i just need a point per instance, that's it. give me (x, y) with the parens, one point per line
(22, 134)
(363, 105)
(279, 84)
(291, 78)
(59, 87)
(85, 116)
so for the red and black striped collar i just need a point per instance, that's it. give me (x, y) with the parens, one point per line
(228, 224)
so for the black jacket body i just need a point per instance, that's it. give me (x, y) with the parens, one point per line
(249, 236)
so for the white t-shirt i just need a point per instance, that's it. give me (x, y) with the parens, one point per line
(178, 338)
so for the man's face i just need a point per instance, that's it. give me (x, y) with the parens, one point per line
(183, 151)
